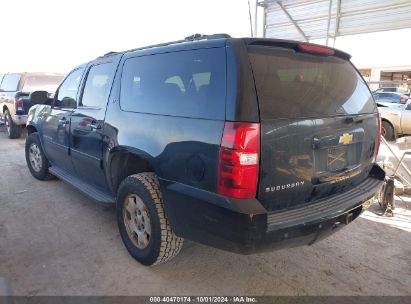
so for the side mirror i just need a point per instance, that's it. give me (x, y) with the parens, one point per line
(408, 107)
(39, 97)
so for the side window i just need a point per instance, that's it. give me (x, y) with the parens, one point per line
(10, 82)
(98, 85)
(187, 83)
(67, 93)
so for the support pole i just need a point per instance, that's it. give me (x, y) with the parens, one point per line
(329, 21)
(292, 21)
(337, 21)
(255, 18)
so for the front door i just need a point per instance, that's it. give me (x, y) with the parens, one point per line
(56, 122)
(87, 123)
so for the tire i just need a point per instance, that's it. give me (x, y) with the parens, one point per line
(36, 160)
(387, 131)
(13, 130)
(140, 212)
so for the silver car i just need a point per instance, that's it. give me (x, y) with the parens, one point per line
(396, 120)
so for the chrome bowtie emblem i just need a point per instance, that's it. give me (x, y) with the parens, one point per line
(345, 139)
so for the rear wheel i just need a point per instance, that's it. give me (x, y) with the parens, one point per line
(35, 158)
(142, 222)
(387, 131)
(13, 130)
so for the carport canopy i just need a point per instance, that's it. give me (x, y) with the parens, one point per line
(306, 20)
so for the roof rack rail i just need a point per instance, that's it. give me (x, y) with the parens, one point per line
(110, 53)
(201, 36)
(189, 38)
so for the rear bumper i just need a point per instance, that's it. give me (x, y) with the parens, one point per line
(244, 226)
(19, 119)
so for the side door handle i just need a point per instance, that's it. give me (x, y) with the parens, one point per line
(64, 121)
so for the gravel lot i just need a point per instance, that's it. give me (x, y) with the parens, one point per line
(55, 241)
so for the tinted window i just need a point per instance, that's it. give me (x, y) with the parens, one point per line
(295, 85)
(186, 83)
(98, 85)
(47, 83)
(67, 93)
(10, 82)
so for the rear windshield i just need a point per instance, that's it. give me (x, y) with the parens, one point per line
(296, 85)
(47, 83)
(10, 82)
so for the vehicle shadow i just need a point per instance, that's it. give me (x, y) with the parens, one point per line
(350, 262)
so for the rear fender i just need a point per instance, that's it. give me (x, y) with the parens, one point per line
(123, 161)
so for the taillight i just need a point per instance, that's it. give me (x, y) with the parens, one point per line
(239, 157)
(403, 98)
(312, 48)
(19, 103)
(378, 143)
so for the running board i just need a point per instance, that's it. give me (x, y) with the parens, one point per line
(97, 195)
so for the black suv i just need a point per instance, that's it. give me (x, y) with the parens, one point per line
(240, 144)
(15, 99)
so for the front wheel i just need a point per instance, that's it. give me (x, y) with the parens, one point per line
(142, 222)
(35, 158)
(13, 130)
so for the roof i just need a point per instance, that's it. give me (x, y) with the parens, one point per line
(187, 43)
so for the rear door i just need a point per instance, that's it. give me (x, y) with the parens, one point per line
(318, 125)
(86, 139)
(56, 121)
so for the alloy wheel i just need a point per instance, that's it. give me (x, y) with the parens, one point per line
(383, 132)
(137, 221)
(7, 123)
(35, 157)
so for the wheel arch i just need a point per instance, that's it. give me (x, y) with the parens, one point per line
(125, 161)
(396, 131)
(31, 129)
(388, 121)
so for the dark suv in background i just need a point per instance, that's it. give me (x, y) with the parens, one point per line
(240, 144)
(15, 101)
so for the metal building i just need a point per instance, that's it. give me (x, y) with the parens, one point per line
(306, 20)
(315, 19)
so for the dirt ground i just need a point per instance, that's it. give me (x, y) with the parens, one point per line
(55, 241)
